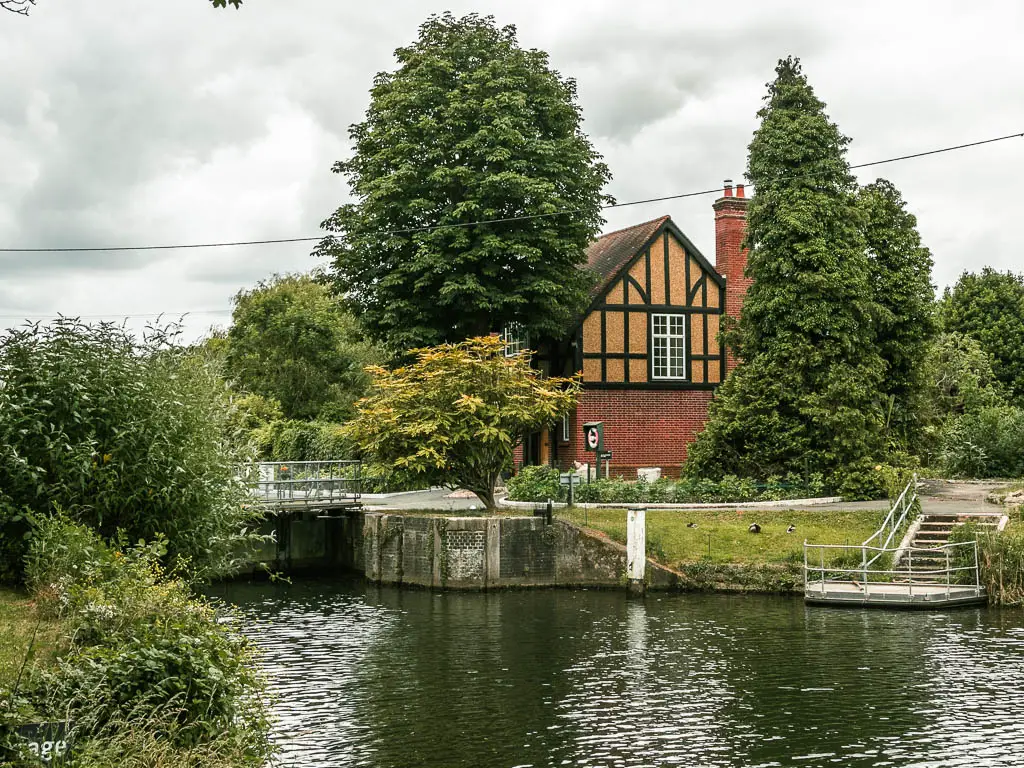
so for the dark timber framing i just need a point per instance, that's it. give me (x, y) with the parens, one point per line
(657, 250)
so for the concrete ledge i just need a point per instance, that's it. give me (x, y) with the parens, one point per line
(392, 494)
(783, 504)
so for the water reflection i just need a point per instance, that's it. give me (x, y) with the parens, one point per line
(372, 676)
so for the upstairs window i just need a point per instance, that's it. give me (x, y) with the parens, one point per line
(516, 339)
(668, 346)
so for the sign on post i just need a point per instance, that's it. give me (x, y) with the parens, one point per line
(46, 744)
(593, 440)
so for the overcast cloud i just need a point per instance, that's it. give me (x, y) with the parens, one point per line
(182, 124)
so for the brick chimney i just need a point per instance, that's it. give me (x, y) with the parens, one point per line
(730, 257)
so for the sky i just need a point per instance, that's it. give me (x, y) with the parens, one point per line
(125, 123)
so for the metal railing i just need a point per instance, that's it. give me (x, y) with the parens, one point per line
(307, 483)
(943, 568)
(892, 524)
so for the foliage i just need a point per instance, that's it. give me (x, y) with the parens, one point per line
(535, 483)
(959, 378)
(541, 483)
(900, 280)
(1000, 560)
(989, 307)
(143, 649)
(984, 443)
(469, 128)
(122, 435)
(456, 413)
(29, 639)
(806, 392)
(292, 342)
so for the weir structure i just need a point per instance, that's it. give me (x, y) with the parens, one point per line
(880, 573)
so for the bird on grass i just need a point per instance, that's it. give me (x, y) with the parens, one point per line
(791, 529)
(754, 528)
(691, 525)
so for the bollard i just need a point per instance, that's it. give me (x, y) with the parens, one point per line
(636, 549)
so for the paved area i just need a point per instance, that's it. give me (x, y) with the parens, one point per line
(439, 500)
(937, 497)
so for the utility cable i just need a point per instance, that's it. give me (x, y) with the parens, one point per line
(503, 220)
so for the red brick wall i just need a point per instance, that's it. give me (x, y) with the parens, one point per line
(730, 257)
(642, 428)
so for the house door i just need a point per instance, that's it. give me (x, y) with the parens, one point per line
(532, 450)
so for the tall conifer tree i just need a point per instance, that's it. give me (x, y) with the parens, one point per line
(905, 321)
(806, 393)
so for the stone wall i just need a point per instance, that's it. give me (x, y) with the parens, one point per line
(489, 553)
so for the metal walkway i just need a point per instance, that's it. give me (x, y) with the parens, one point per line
(879, 573)
(325, 486)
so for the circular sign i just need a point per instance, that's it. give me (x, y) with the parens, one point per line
(593, 438)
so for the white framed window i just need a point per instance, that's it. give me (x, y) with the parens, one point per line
(565, 428)
(516, 339)
(668, 346)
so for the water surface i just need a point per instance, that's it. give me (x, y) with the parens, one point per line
(375, 676)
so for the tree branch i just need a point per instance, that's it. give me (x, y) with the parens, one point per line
(17, 6)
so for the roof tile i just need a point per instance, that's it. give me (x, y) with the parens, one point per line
(607, 255)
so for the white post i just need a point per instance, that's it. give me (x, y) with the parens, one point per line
(636, 548)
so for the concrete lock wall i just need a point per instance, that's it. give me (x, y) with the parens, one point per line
(488, 553)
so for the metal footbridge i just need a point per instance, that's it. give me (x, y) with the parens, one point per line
(323, 486)
(883, 573)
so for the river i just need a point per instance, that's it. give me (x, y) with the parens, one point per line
(381, 677)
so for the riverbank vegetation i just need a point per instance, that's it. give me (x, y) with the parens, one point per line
(106, 440)
(123, 435)
(139, 664)
(1000, 558)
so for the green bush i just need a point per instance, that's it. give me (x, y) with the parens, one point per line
(985, 443)
(1000, 558)
(143, 648)
(540, 483)
(123, 435)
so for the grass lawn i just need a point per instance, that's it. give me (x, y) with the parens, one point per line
(18, 624)
(724, 534)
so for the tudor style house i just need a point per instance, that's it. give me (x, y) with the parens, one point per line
(648, 345)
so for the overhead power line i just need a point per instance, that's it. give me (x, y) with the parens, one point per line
(507, 219)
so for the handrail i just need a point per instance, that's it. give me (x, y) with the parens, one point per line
(903, 505)
(941, 577)
(307, 483)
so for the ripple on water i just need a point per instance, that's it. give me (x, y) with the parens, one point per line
(366, 676)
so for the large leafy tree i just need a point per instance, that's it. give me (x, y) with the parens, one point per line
(989, 306)
(455, 414)
(469, 128)
(806, 393)
(293, 341)
(905, 323)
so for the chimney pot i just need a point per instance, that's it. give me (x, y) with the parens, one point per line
(739, 191)
(728, 187)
